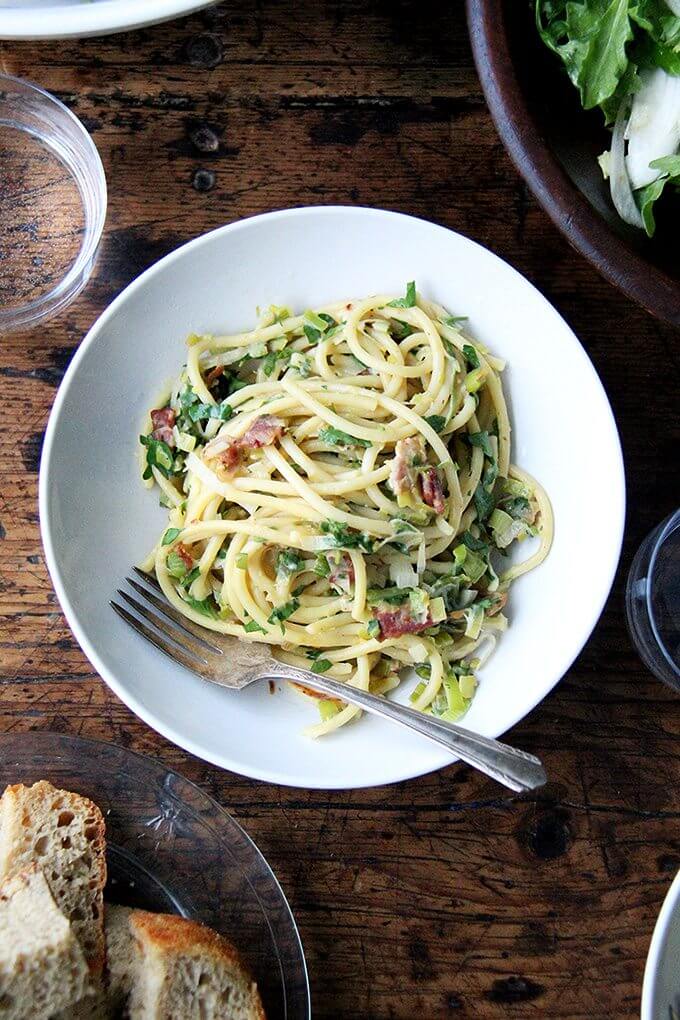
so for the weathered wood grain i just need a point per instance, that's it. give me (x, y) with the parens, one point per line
(440, 897)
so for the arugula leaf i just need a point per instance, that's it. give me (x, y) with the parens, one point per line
(471, 356)
(252, 626)
(343, 537)
(436, 421)
(647, 196)
(170, 536)
(282, 613)
(591, 39)
(481, 439)
(405, 302)
(158, 455)
(336, 437)
(321, 666)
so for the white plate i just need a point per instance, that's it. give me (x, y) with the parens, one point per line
(661, 985)
(97, 519)
(60, 19)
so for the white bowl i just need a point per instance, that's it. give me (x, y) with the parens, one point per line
(61, 19)
(97, 519)
(661, 985)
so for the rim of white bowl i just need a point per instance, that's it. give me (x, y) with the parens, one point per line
(74, 20)
(616, 512)
(659, 936)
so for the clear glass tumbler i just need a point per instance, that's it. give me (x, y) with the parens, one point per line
(653, 601)
(52, 204)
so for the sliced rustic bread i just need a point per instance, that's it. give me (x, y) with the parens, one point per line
(186, 970)
(64, 834)
(42, 965)
(122, 958)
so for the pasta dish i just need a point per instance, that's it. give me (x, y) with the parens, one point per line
(339, 484)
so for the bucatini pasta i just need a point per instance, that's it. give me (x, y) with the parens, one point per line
(339, 485)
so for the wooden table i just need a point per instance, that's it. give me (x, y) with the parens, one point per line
(440, 897)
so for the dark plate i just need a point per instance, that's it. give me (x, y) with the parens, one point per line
(554, 145)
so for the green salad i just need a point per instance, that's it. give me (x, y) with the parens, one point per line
(623, 56)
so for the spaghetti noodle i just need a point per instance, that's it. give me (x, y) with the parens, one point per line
(339, 485)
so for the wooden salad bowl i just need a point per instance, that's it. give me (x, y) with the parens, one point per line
(554, 145)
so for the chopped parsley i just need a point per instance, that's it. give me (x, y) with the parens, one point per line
(288, 562)
(436, 421)
(484, 502)
(282, 613)
(322, 567)
(340, 536)
(321, 665)
(170, 536)
(205, 606)
(336, 437)
(408, 301)
(252, 626)
(482, 440)
(158, 455)
(471, 356)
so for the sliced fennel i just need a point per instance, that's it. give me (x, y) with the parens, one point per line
(653, 129)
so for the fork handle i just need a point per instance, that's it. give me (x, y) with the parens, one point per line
(513, 768)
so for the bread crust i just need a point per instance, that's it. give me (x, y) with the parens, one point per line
(174, 935)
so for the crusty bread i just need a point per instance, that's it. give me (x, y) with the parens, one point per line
(64, 834)
(186, 970)
(42, 965)
(122, 958)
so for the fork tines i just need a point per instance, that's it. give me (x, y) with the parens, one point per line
(170, 631)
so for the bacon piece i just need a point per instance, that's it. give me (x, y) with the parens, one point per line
(394, 624)
(500, 598)
(316, 694)
(341, 576)
(264, 431)
(432, 490)
(162, 420)
(184, 555)
(213, 375)
(409, 455)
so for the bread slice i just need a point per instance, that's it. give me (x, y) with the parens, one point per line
(122, 961)
(186, 970)
(42, 965)
(64, 834)
(122, 958)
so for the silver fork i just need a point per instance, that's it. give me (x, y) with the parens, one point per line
(236, 664)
